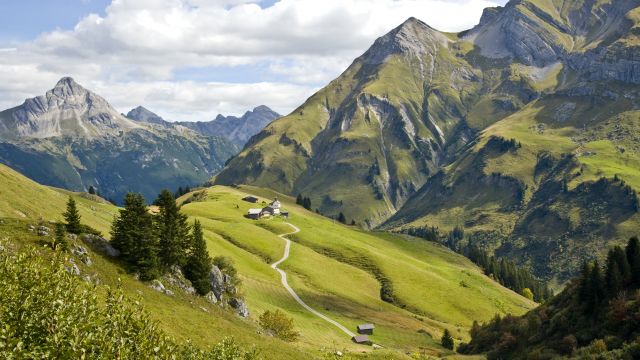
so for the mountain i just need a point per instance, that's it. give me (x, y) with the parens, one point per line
(72, 138)
(142, 114)
(237, 129)
(522, 131)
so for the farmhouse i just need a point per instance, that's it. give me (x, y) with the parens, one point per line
(361, 339)
(254, 214)
(251, 199)
(366, 329)
(270, 210)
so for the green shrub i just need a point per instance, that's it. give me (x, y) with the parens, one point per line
(46, 312)
(279, 325)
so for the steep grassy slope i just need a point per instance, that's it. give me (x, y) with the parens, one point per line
(332, 267)
(338, 270)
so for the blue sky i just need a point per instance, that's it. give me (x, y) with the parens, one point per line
(193, 59)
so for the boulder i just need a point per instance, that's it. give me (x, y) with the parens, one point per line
(100, 244)
(217, 281)
(240, 306)
(158, 286)
(211, 297)
(177, 279)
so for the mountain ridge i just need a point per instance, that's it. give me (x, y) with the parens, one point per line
(425, 110)
(73, 138)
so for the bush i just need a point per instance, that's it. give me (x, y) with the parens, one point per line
(46, 312)
(279, 325)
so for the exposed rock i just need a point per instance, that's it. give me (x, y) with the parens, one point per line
(177, 279)
(72, 268)
(240, 306)
(216, 280)
(100, 244)
(158, 286)
(72, 237)
(82, 253)
(211, 297)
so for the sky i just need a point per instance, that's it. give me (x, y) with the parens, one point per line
(193, 59)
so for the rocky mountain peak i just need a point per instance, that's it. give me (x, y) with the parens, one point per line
(412, 38)
(68, 87)
(142, 114)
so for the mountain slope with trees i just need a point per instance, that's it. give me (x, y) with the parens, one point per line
(478, 130)
(72, 138)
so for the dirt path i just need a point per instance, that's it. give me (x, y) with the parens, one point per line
(293, 293)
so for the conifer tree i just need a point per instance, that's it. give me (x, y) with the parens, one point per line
(597, 287)
(633, 257)
(172, 229)
(72, 217)
(447, 340)
(60, 241)
(199, 262)
(299, 199)
(342, 218)
(613, 278)
(133, 235)
(92, 190)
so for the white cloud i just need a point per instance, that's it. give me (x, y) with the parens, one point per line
(138, 45)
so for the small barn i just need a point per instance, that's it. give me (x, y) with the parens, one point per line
(361, 339)
(254, 214)
(365, 329)
(284, 214)
(251, 199)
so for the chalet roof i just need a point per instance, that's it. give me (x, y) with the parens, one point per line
(254, 211)
(250, 198)
(360, 339)
(276, 204)
(366, 327)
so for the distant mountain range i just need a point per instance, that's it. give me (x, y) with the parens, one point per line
(523, 131)
(236, 129)
(72, 138)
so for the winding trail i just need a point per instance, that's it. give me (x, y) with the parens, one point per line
(283, 276)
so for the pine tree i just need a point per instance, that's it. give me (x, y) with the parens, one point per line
(306, 203)
(60, 241)
(447, 340)
(341, 218)
(72, 217)
(299, 199)
(597, 287)
(92, 190)
(199, 262)
(613, 278)
(172, 229)
(633, 257)
(132, 233)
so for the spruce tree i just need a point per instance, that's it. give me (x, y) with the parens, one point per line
(342, 218)
(132, 233)
(198, 263)
(172, 229)
(633, 257)
(613, 278)
(299, 199)
(447, 340)
(597, 287)
(92, 190)
(60, 241)
(72, 217)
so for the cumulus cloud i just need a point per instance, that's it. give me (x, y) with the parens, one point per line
(133, 52)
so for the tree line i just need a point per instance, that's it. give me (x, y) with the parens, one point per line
(505, 272)
(597, 316)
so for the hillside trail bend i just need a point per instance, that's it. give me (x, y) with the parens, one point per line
(293, 294)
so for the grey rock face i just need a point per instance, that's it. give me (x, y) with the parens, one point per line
(211, 297)
(177, 279)
(412, 37)
(216, 280)
(141, 114)
(159, 287)
(240, 306)
(100, 244)
(237, 130)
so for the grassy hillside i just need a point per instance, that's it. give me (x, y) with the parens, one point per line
(332, 267)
